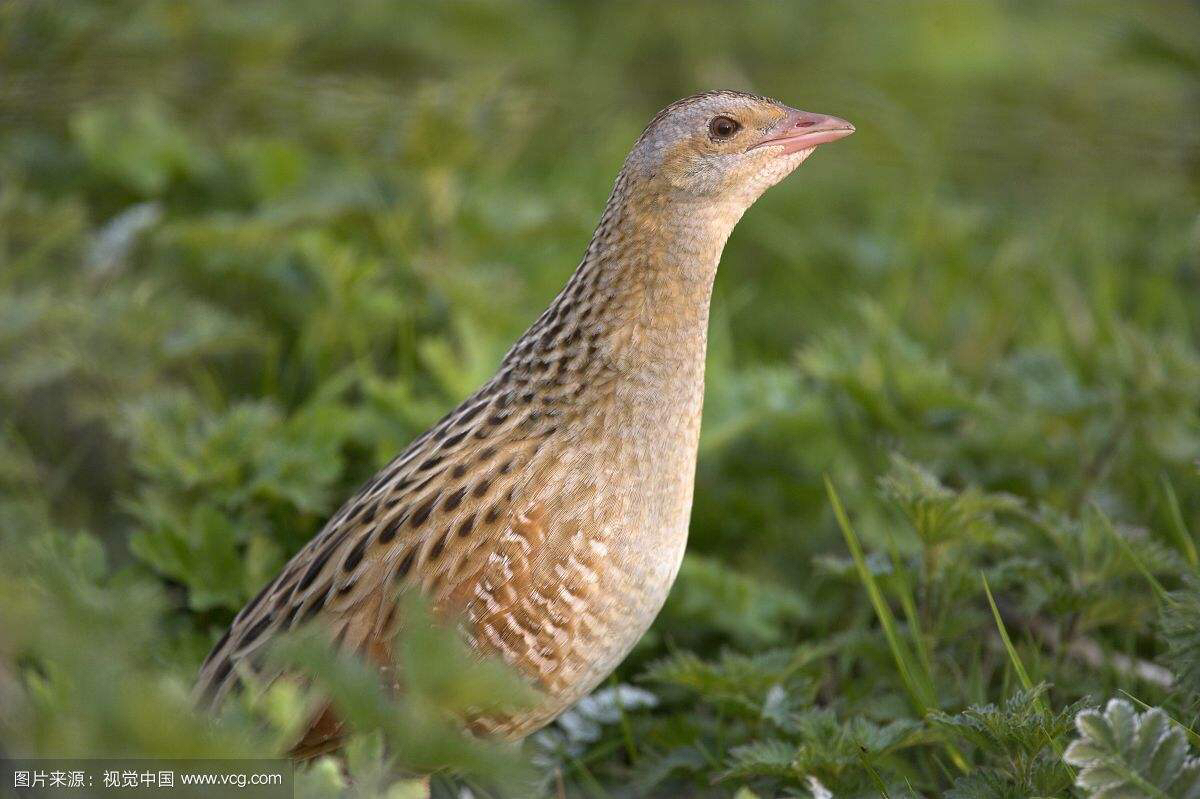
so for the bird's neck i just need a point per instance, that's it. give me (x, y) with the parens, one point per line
(644, 287)
(631, 325)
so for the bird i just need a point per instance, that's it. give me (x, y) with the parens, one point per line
(548, 513)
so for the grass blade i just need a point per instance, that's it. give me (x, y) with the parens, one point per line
(918, 684)
(1123, 545)
(1018, 666)
(1178, 526)
(917, 681)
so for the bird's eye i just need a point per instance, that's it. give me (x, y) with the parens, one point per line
(723, 127)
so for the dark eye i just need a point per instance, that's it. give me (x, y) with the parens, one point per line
(723, 127)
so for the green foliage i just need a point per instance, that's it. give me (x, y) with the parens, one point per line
(936, 513)
(744, 683)
(1180, 625)
(1018, 741)
(828, 749)
(248, 250)
(83, 673)
(1123, 753)
(214, 483)
(717, 602)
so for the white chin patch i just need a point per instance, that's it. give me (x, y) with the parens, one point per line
(774, 169)
(781, 166)
(799, 157)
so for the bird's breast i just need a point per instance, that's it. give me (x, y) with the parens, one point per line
(597, 541)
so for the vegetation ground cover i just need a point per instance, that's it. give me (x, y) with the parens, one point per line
(948, 495)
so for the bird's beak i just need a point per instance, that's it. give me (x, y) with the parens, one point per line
(800, 130)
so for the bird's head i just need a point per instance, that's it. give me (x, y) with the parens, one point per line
(726, 147)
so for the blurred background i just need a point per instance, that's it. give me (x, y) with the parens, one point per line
(248, 250)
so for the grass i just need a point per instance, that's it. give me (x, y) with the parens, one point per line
(249, 250)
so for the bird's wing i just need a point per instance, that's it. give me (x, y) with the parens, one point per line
(435, 517)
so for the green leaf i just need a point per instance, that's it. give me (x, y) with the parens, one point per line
(1121, 753)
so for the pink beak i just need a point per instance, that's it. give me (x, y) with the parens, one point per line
(801, 130)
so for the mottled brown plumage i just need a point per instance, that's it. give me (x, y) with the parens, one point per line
(549, 511)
